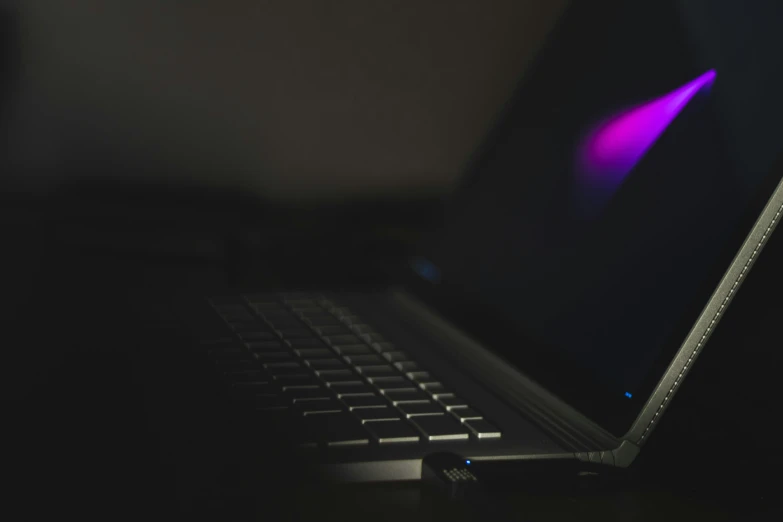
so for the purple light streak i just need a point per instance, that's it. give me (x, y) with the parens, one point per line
(614, 147)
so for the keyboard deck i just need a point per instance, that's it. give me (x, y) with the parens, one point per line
(319, 364)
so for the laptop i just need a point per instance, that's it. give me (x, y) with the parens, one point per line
(600, 234)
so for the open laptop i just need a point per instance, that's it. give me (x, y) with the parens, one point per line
(602, 231)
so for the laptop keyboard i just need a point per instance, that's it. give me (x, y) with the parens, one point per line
(318, 363)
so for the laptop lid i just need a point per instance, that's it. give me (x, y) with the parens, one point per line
(601, 214)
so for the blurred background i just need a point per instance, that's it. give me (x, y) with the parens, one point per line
(183, 146)
(295, 100)
(197, 144)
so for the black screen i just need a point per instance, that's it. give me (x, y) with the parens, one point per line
(592, 268)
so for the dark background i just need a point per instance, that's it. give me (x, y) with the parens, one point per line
(107, 414)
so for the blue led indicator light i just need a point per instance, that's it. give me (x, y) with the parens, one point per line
(467, 462)
(628, 394)
(426, 270)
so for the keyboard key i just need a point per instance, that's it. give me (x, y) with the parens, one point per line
(341, 376)
(483, 429)
(464, 414)
(296, 333)
(419, 376)
(414, 409)
(349, 319)
(326, 364)
(283, 323)
(299, 394)
(272, 309)
(405, 396)
(407, 366)
(305, 343)
(389, 379)
(331, 304)
(303, 386)
(336, 375)
(376, 371)
(364, 401)
(373, 337)
(341, 381)
(395, 356)
(319, 407)
(377, 414)
(337, 429)
(392, 432)
(273, 366)
(353, 349)
(362, 329)
(325, 374)
(441, 427)
(322, 321)
(337, 340)
(395, 385)
(274, 357)
(384, 347)
(433, 387)
(348, 389)
(313, 353)
(267, 346)
(332, 330)
(295, 379)
(285, 368)
(451, 403)
(346, 315)
(364, 360)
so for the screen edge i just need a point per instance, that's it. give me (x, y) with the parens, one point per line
(709, 318)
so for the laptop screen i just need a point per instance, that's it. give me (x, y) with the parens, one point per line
(598, 217)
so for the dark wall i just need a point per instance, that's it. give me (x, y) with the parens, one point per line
(295, 99)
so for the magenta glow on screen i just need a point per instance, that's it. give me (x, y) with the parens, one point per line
(611, 149)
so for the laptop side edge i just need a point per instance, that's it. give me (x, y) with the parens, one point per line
(704, 326)
(577, 434)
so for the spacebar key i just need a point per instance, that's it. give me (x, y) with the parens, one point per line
(341, 429)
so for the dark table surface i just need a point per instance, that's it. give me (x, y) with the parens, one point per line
(108, 415)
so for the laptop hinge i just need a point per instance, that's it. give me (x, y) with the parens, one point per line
(567, 426)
